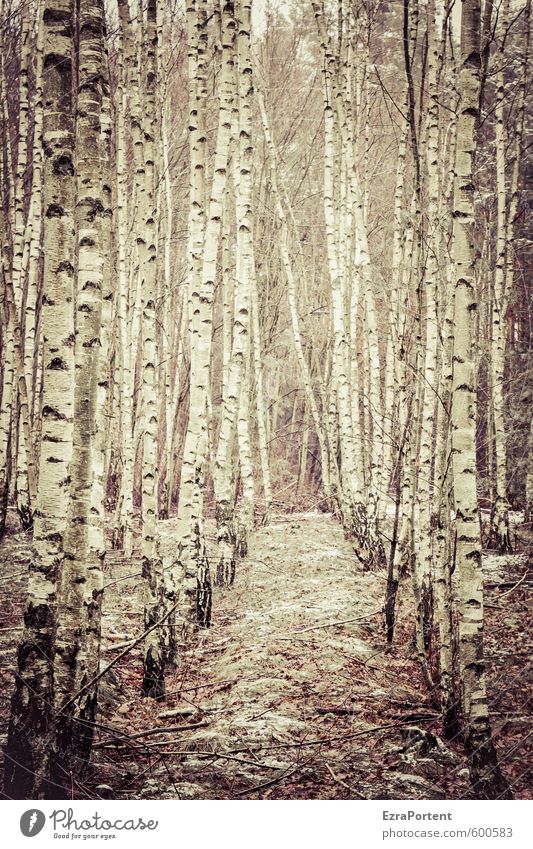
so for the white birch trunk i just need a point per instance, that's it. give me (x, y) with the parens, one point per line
(80, 585)
(29, 750)
(486, 777)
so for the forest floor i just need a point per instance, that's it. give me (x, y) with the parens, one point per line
(292, 693)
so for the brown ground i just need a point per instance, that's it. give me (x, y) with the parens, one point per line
(291, 693)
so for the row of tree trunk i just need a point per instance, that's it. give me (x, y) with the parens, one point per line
(150, 263)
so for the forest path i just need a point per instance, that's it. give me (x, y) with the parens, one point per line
(291, 688)
(276, 693)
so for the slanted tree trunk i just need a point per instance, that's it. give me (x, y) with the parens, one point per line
(293, 307)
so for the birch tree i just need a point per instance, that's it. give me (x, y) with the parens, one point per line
(340, 176)
(191, 568)
(29, 750)
(500, 511)
(293, 307)
(76, 656)
(154, 601)
(486, 777)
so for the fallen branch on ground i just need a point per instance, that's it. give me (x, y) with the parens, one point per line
(513, 588)
(274, 780)
(374, 730)
(169, 729)
(341, 622)
(168, 714)
(101, 674)
(340, 781)
(338, 711)
(214, 756)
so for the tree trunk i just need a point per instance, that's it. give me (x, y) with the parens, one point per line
(486, 777)
(499, 523)
(76, 649)
(293, 307)
(154, 596)
(29, 746)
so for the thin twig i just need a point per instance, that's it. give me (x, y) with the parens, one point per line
(168, 730)
(508, 592)
(334, 624)
(274, 780)
(301, 743)
(216, 756)
(340, 781)
(123, 578)
(117, 658)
